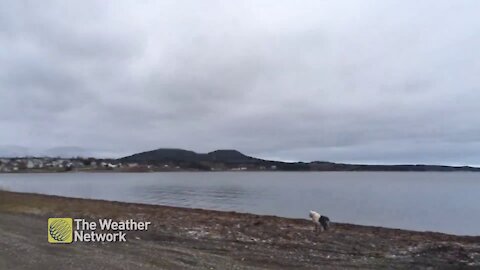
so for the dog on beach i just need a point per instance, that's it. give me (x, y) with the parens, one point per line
(321, 222)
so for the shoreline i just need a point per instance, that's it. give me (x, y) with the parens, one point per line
(198, 238)
(224, 171)
(139, 204)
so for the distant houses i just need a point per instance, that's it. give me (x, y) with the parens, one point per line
(58, 164)
(49, 164)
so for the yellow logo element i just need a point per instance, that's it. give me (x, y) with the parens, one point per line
(60, 230)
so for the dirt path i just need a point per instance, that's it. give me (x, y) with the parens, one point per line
(183, 238)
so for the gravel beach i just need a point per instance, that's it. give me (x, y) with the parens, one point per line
(182, 238)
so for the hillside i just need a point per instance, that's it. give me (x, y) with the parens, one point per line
(233, 159)
(180, 155)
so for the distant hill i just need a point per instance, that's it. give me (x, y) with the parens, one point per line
(163, 155)
(228, 159)
(180, 155)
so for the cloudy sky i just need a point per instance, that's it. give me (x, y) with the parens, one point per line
(348, 81)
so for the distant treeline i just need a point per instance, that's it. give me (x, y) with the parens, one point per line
(233, 159)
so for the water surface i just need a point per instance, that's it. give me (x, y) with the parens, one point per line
(445, 202)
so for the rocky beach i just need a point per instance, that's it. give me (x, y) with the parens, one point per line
(183, 238)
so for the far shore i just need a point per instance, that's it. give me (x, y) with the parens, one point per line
(179, 160)
(183, 238)
(221, 171)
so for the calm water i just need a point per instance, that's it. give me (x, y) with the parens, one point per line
(445, 202)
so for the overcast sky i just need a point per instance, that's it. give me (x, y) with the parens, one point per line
(346, 81)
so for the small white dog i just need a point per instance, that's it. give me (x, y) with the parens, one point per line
(321, 222)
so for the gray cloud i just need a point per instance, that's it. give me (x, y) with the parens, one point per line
(347, 81)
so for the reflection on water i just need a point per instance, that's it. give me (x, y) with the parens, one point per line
(418, 201)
